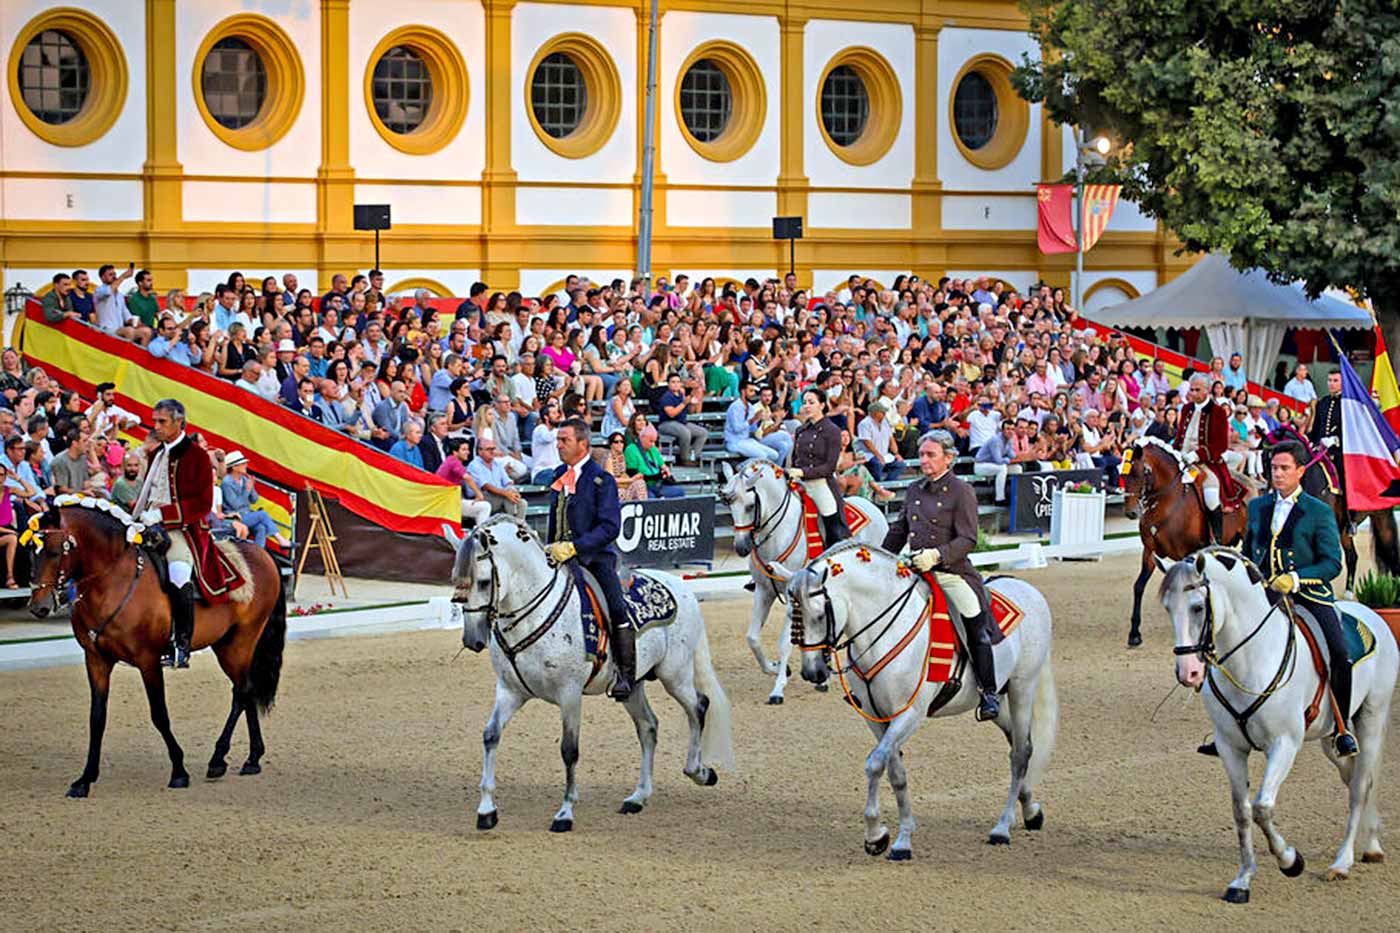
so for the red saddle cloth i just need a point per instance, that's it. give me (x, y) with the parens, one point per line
(943, 644)
(812, 525)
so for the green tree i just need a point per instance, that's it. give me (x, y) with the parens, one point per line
(1266, 129)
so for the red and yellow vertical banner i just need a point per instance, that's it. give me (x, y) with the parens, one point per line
(1055, 226)
(1383, 384)
(1099, 202)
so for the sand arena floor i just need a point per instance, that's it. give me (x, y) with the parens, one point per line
(363, 817)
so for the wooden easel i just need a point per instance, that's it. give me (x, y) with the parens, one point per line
(320, 536)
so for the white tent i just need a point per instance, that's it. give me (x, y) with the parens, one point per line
(1241, 312)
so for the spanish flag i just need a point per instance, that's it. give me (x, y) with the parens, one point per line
(1383, 384)
(1099, 202)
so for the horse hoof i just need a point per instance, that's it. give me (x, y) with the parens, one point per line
(561, 826)
(821, 688)
(216, 771)
(712, 778)
(996, 839)
(1034, 823)
(1337, 874)
(879, 845)
(1134, 641)
(486, 821)
(1236, 896)
(630, 806)
(899, 855)
(1373, 858)
(250, 767)
(179, 780)
(775, 701)
(1296, 869)
(77, 790)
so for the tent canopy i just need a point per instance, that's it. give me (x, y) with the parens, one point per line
(1241, 312)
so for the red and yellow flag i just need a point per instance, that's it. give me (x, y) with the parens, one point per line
(1383, 384)
(1055, 227)
(1099, 202)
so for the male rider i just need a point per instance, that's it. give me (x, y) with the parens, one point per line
(1203, 437)
(585, 519)
(1326, 427)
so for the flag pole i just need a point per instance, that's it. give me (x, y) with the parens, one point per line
(1078, 289)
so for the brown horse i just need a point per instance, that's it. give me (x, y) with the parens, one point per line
(121, 613)
(1170, 513)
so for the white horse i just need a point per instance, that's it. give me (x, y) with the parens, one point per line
(868, 605)
(1247, 657)
(529, 612)
(768, 530)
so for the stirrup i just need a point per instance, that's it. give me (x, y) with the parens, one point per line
(1344, 745)
(989, 708)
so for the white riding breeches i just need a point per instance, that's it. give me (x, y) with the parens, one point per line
(959, 593)
(821, 496)
(180, 572)
(1210, 488)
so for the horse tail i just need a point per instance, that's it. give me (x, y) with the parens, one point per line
(716, 732)
(266, 669)
(1045, 721)
(1385, 541)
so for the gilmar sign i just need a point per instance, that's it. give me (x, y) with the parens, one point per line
(664, 532)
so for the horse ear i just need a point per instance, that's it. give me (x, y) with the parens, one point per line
(1162, 564)
(1200, 564)
(452, 537)
(726, 470)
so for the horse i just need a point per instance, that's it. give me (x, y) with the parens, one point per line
(121, 613)
(833, 608)
(534, 626)
(1250, 662)
(1385, 540)
(768, 530)
(1170, 513)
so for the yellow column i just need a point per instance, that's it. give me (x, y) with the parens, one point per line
(500, 264)
(792, 180)
(162, 174)
(928, 250)
(335, 179)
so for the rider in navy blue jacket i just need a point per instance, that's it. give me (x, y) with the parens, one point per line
(584, 521)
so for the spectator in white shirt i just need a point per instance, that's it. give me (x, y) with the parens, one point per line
(544, 448)
(109, 306)
(1300, 387)
(982, 423)
(875, 442)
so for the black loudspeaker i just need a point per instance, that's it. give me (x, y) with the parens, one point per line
(372, 217)
(787, 228)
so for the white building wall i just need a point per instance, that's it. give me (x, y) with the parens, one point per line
(615, 28)
(298, 152)
(464, 23)
(706, 208)
(249, 202)
(427, 203)
(681, 33)
(121, 149)
(574, 207)
(989, 212)
(859, 211)
(86, 199)
(955, 48)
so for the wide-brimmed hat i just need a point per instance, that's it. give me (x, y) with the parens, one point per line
(1254, 401)
(286, 346)
(233, 458)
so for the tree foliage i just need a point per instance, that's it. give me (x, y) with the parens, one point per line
(1266, 129)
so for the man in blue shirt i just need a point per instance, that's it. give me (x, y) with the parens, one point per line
(316, 357)
(1234, 373)
(440, 388)
(164, 340)
(690, 438)
(929, 410)
(406, 448)
(741, 423)
(81, 295)
(994, 458)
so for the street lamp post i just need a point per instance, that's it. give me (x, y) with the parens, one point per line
(1085, 153)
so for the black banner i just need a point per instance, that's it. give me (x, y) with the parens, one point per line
(1033, 495)
(665, 532)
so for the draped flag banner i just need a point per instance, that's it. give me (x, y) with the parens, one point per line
(280, 444)
(1055, 228)
(1099, 202)
(1369, 445)
(1383, 384)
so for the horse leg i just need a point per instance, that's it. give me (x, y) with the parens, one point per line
(1237, 768)
(154, 680)
(507, 702)
(892, 737)
(218, 765)
(763, 597)
(784, 668)
(1019, 706)
(1359, 774)
(1370, 723)
(1349, 549)
(255, 740)
(571, 715)
(645, 721)
(99, 671)
(1278, 762)
(1139, 587)
(902, 849)
(682, 690)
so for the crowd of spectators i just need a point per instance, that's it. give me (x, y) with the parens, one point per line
(474, 392)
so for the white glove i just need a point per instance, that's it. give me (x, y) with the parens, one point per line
(795, 473)
(925, 560)
(150, 517)
(1329, 442)
(1191, 457)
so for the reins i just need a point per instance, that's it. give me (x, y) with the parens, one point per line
(70, 545)
(760, 540)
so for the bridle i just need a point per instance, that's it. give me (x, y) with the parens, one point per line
(772, 524)
(61, 581)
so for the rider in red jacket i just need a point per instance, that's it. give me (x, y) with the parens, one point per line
(1203, 436)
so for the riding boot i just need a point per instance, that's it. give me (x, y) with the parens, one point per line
(835, 529)
(182, 622)
(1216, 518)
(983, 667)
(1345, 742)
(624, 656)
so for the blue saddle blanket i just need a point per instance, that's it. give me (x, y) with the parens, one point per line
(650, 602)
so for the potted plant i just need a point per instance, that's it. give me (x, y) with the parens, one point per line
(1381, 593)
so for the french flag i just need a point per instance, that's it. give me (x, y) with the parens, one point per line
(1369, 446)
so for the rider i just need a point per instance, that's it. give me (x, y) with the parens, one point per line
(1203, 436)
(939, 522)
(1326, 427)
(178, 495)
(585, 519)
(1293, 538)
(815, 452)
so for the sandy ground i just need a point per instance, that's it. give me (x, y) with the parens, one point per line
(363, 815)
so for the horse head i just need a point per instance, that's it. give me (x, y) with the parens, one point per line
(751, 494)
(840, 591)
(54, 563)
(1203, 596)
(1146, 467)
(501, 549)
(812, 619)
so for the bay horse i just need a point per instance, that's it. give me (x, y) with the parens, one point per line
(1385, 541)
(1170, 513)
(121, 613)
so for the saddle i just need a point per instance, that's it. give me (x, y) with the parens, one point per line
(1360, 642)
(812, 523)
(947, 652)
(649, 601)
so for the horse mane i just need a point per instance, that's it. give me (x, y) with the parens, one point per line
(108, 513)
(504, 518)
(1145, 441)
(851, 544)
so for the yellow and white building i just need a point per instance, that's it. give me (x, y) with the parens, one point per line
(200, 136)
